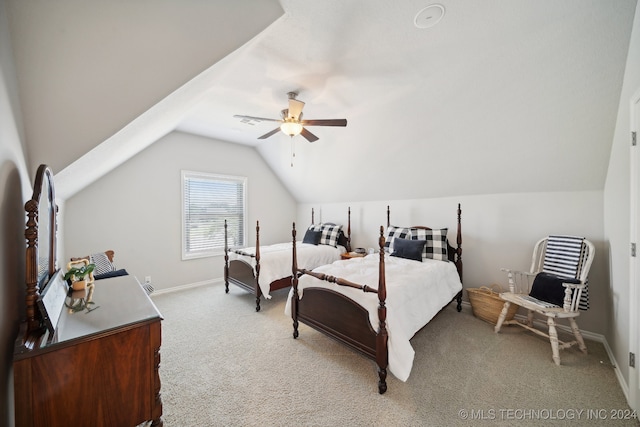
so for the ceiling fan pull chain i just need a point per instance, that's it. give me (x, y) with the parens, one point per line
(293, 151)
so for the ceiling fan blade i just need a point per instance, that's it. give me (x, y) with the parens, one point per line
(259, 119)
(308, 135)
(268, 134)
(295, 108)
(326, 122)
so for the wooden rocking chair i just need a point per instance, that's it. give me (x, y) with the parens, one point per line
(560, 265)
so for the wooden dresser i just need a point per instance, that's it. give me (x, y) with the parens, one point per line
(101, 367)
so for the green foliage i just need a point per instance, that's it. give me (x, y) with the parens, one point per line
(80, 304)
(79, 273)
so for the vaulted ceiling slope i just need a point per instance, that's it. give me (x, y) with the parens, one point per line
(96, 74)
(500, 96)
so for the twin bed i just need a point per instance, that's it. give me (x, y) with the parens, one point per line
(261, 270)
(376, 304)
(373, 304)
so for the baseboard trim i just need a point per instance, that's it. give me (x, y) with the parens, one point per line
(587, 335)
(623, 384)
(186, 286)
(594, 337)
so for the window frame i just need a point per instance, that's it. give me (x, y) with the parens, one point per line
(215, 251)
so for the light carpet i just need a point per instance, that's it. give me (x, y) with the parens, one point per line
(223, 364)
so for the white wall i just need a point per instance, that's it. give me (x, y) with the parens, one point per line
(12, 146)
(616, 209)
(498, 230)
(136, 209)
(15, 190)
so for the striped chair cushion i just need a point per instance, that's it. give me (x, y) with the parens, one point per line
(563, 257)
(102, 262)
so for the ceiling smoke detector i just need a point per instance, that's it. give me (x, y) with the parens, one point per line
(429, 16)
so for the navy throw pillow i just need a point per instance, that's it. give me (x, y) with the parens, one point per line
(312, 237)
(548, 287)
(409, 249)
(108, 274)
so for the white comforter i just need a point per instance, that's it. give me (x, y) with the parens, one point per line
(275, 260)
(416, 292)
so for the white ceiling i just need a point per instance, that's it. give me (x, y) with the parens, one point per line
(500, 96)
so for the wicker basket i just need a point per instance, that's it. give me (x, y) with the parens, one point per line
(487, 305)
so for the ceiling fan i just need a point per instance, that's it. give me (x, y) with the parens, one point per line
(291, 122)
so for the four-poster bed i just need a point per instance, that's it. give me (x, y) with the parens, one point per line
(337, 300)
(261, 270)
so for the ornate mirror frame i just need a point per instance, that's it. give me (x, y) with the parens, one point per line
(40, 233)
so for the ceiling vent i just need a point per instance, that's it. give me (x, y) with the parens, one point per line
(429, 16)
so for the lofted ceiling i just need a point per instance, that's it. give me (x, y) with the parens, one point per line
(499, 96)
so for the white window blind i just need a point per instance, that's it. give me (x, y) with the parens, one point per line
(207, 201)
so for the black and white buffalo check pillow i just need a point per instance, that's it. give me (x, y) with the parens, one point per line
(394, 232)
(436, 247)
(330, 233)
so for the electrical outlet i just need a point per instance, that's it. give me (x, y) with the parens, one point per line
(147, 279)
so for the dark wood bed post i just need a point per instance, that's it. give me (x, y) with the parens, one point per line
(226, 260)
(313, 221)
(382, 353)
(459, 258)
(294, 284)
(258, 290)
(388, 216)
(349, 228)
(459, 243)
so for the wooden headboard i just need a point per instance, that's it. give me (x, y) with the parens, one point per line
(454, 254)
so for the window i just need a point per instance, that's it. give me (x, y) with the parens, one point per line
(207, 201)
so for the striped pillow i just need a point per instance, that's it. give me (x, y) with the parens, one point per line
(102, 262)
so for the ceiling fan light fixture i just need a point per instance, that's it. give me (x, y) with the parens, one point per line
(291, 122)
(291, 128)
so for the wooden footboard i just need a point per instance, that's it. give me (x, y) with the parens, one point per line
(340, 317)
(240, 273)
